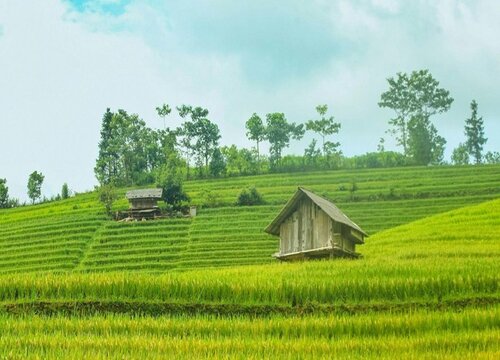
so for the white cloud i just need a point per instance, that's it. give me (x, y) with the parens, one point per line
(57, 80)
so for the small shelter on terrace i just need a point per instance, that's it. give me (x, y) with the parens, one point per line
(143, 203)
(310, 226)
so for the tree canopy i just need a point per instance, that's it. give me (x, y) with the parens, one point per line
(474, 131)
(35, 182)
(325, 126)
(279, 134)
(415, 96)
(256, 130)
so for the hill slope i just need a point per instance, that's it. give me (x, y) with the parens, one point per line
(74, 235)
(428, 289)
(436, 258)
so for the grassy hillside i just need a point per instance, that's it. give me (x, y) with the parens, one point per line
(74, 235)
(427, 289)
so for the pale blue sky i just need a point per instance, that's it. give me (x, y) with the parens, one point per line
(62, 62)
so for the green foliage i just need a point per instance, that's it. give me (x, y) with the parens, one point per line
(324, 127)
(425, 146)
(199, 136)
(64, 191)
(413, 96)
(460, 155)
(170, 179)
(217, 165)
(256, 131)
(279, 134)
(128, 150)
(492, 157)
(107, 196)
(163, 111)
(35, 182)
(312, 154)
(249, 197)
(474, 131)
(4, 194)
(240, 161)
(374, 160)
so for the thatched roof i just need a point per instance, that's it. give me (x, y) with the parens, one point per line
(329, 208)
(144, 194)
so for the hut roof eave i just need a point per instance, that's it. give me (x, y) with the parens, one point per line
(144, 194)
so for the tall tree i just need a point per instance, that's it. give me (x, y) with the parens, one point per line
(170, 179)
(311, 153)
(474, 131)
(207, 139)
(107, 166)
(64, 191)
(256, 131)
(217, 165)
(107, 196)
(279, 134)
(163, 112)
(492, 157)
(199, 135)
(324, 127)
(128, 150)
(411, 96)
(35, 182)
(4, 194)
(240, 161)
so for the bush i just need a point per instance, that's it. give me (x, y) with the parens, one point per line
(107, 196)
(174, 194)
(249, 197)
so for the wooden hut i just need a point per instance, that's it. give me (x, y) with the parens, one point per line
(310, 226)
(143, 204)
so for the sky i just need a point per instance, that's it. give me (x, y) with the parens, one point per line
(63, 62)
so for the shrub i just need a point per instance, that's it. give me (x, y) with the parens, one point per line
(249, 197)
(107, 196)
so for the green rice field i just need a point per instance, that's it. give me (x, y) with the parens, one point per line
(76, 285)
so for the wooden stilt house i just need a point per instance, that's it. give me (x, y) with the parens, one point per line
(143, 203)
(310, 226)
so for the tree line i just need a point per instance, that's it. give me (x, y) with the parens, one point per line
(131, 153)
(34, 192)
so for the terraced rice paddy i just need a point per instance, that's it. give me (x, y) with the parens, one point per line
(151, 245)
(76, 285)
(74, 235)
(429, 289)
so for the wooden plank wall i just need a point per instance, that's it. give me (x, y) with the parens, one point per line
(307, 228)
